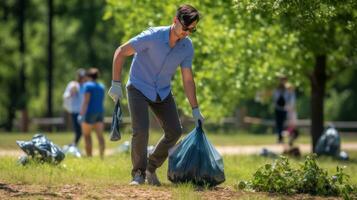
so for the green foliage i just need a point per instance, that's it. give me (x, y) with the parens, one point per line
(241, 46)
(280, 177)
(232, 60)
(81, 39)
(320, 28)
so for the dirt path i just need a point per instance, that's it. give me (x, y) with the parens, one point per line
(116, 191)
(276, 148)
(224, 150)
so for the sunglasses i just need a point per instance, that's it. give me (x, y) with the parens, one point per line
(185, 28)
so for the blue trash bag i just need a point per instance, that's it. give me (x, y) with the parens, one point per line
(329, 143)
(40, 148)
(195, 160)
(114, 131)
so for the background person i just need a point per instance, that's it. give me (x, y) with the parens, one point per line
(280, 99)
(72, 98)
(92, 111)
(291, 129)
(158, 52)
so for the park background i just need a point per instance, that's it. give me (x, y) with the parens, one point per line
(241, 48)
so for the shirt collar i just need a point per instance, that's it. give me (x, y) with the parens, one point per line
(167, 37)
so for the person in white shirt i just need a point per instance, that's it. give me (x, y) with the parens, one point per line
(72, 100)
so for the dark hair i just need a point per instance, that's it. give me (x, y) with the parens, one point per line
(93, 73)
(187, 14)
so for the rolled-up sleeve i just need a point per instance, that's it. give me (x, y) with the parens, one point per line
(187, 61)
(142, 41)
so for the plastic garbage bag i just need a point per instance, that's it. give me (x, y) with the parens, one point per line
(329, 143)
(150, 149)
(268, 153)
(40, 148)
(124, 148)
(23, 160)
(343, 156)
(195, 160)
(114, 131)
(71, 150)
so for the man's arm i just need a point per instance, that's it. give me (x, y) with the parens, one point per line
(190, 90)
(120, 54)
(189, 86)
(85, 103)
(125, 50)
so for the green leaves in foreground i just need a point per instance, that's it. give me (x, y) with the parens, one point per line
(280, 177)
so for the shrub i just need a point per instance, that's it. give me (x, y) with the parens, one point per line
(309, 178)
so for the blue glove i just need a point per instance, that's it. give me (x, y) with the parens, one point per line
(115, 91)
(197, 116)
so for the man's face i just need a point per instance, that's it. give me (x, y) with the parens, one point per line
(183, 31)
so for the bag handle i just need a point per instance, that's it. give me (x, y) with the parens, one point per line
(199, 127)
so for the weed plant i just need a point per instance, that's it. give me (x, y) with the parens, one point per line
(309, 178)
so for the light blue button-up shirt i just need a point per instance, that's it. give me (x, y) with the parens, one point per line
(155, 62)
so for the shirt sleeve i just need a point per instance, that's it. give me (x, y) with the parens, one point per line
(187, 61)
(67, 92)
(142, 41)
(86, 88)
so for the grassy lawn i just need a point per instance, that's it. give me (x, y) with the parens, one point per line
(109, 178)
(92, 178)
(8, 140)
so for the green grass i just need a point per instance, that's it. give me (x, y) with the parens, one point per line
(96, 176)
(219, 138)
(114, 171)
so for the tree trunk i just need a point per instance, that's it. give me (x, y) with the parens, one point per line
(91, 17)
(49, 59)
(11, 106)
(318, 81)
(22, 104)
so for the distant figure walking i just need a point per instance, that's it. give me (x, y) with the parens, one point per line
(281, 99)
(72, 98)
(291, 129)
(92, 111)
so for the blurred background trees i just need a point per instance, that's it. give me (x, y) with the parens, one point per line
(325, 33)
(241, 47)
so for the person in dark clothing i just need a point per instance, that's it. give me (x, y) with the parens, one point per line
(280, 99)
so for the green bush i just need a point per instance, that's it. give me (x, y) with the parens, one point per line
(309, 178)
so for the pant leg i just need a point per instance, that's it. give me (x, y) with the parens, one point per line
(280, 117)
(138, 108)
(167, 114)
(77, 128)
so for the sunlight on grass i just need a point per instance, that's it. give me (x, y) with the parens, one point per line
(115, 170)
(185, 191)
(218, 138)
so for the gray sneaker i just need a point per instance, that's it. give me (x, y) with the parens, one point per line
(152, 178)
(138, 179)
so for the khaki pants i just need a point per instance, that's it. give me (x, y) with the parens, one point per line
(166, 113)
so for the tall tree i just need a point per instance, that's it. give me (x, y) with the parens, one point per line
(50, 59)
(22, 104)
(325, 31)
(233, 57)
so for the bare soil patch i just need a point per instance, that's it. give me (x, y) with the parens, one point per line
(85, 191)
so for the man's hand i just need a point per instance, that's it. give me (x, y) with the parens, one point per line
(115, 91)
(197, 116)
